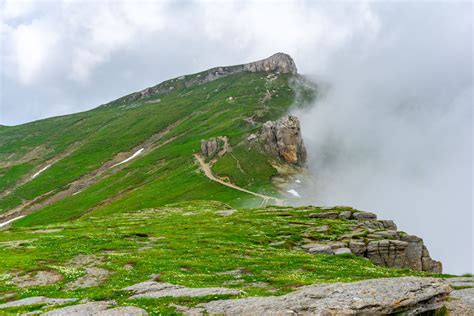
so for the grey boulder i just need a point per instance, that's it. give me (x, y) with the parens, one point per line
(410, 295)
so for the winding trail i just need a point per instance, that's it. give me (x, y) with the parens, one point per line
(208, 172)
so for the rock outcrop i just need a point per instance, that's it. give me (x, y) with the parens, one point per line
(277, 63)
(214, 146)
(464, 291)
(385, 296)
(377, 240)
(407, 296)
(209, 148)
(282, 139)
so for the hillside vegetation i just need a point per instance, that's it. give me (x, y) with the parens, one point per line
(194, 244)
(169, 126)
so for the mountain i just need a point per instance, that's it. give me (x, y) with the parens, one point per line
(170, 200)
(70, 166)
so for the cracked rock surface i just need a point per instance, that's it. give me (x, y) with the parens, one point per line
(282, 139)
(377, 240)
(411, 295)
(99, 308)
(153, 289)
(38, 300)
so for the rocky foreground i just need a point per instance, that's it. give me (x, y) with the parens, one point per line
(208, 258)
(386, 296)
(407, 295)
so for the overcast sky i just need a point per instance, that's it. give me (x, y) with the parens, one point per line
(394, 135)
(59, 57)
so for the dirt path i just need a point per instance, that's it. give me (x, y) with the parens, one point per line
(208, 172)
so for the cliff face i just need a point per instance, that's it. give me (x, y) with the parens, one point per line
(282, 139)
(376, 240)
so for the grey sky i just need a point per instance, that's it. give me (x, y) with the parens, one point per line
(64, 56)
(397, 124)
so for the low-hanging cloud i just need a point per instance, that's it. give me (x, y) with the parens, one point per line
(392, 134)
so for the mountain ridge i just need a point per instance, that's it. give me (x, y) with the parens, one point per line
(29, 164)
(172, 199)
(277, 63)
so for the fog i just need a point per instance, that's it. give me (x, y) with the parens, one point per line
(393, 132)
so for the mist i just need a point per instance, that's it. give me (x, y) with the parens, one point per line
(392, 133)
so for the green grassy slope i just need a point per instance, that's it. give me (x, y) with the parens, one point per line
(158, 214)
(187, 244)
(84, 141)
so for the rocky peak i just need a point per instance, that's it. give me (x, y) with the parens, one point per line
(282, 139)
(279, 62)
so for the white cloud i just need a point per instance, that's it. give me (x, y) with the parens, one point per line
(84, 61)
(31, 46)
(84, 37)
(80, 37)
(393, 134)
(115, 26)
(266, 27)
(12, 9)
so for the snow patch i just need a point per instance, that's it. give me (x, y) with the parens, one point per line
(37, 174)
(298, 181)
(294, 193)
(138, 152)
(11, 220)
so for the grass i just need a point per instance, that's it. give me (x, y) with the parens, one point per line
(96, 136)
(185, 243)
(247, 167)
(157, 215)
